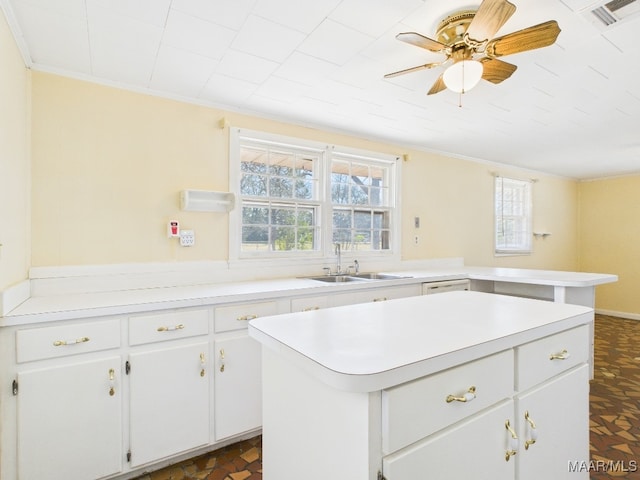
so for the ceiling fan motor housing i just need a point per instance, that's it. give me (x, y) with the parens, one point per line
(451, 30)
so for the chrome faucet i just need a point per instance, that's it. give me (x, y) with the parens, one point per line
(356, 266)
(338, 260)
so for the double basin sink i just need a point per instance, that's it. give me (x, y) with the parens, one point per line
(356, 277)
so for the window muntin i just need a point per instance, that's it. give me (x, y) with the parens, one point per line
(513, 229)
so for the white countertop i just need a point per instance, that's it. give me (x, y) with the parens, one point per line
(84, 305)
(369, 347)
(553, 278)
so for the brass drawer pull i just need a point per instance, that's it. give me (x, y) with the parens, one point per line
(180, 326)
(60, 343)
(513, 442)
(380, 299)
(245, 318)
(309, 309)
(563, 355)
(467, 397)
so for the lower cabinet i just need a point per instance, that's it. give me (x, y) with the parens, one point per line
(552, 427)
(474, 448)
(69, 421)
(238, 385)
(536, 430)
(169, 401)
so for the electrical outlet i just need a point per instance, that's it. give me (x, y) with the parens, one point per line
(187, 238)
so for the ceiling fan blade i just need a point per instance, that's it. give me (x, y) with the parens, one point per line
(438, 86)
(422, 42)
(413, 69)
(491, 15)
(538, 36)
(495, 71)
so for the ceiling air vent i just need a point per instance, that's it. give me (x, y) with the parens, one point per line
(604, 14)
(613, 12)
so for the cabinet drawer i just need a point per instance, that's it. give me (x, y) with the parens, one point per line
(236, 317)
(544, 358)
(376, 295)
(305, 304)
(168, 326)
(417, 409)
(62, 340)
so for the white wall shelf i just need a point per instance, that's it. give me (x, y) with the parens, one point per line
(206, 201)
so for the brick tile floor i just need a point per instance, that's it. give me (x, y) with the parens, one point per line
(615, 400)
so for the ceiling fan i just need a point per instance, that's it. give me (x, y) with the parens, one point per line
(466, 40)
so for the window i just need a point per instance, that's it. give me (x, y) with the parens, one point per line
(513, 216)
(361, 203)
(298, 198)
(279, 192)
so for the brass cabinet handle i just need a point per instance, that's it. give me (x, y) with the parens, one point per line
(112, 379)
(309, 309)
(380, 299)
(180, 326)
(466, 397)
(513, 442)
(533, 433)
(60, 343)
(244, 318)
(202, 364)
(563, 355)
(221, 360)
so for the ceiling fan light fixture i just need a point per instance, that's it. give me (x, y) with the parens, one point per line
(462, 76)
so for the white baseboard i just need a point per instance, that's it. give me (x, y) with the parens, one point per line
(613, 313)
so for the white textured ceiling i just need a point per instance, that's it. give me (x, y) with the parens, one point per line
(571, 109)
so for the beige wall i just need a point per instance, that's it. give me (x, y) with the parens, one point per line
(108, 165)
(14, 161)
(609, 230)
(454, 200)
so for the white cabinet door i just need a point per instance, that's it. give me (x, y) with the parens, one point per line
(238, 385)
(70, 421)
(169, 390)
(559, 410)
(475, 448)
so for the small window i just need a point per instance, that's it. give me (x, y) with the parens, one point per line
(513, 216)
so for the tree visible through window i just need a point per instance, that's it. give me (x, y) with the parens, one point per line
(513, 216)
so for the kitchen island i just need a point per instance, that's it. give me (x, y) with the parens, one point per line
(463, 384)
